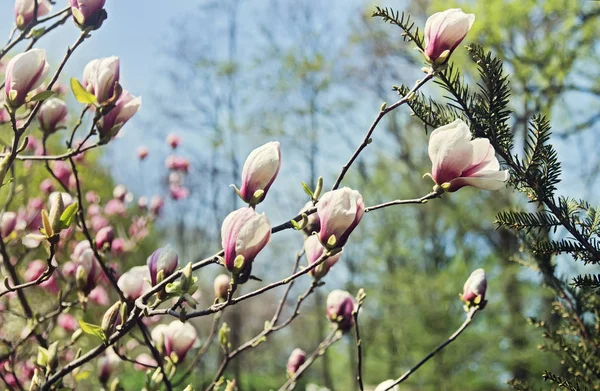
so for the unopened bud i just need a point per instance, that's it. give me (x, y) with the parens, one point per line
(110, 319)
(57, 207)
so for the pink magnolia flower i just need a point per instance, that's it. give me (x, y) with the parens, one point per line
(88, 272)
(8, 223)
(475, 288)
(243, 235)
(35, 269)
(105, 237)
(24, 11)
(144, 361)
(99, 296)
(92, 197)
(135, 282)
(61, 171)
(339, 212)
(259, 172)
(142, 153)
(120, 192)
(112, 122)
(87, 12)
(179, 192)
(177, 163)
(53, 115)
(221, 285)
(340, 305)
(67, 322)
(173, 140)
(115, 207)
(177, 337)
(314, 223)
(24, 73)
(47, 186)
(99, 222)
(444, 31)
(460, 161)
(314, 250)
(156, 204)
(296, 360)
(101, 76)
(107, 364)
(119, 246)
(162, 261)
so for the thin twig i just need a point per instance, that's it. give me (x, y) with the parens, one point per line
(421, 200)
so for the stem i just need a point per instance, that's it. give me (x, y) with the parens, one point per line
(155, 354)
(458, 332)
(359, 377)
(421, 200)
(367, 140)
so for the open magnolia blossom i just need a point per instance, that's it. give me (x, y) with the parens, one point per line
(339, 212)
(243, 235)
(459, 161)
(444, 31)
(176, 337)
(24, 73)
(111, 123)
(24, 11)
(259, 172)
(385, 386)
(135, 282)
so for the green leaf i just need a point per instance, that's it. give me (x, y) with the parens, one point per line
(81, 94)
(307, 190)
(42, 96)
(92, 329)
(37, 32)
(67, 217)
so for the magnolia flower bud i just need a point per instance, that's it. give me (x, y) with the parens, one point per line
(156, 204)
(385, 386)
(107, 364)
(24, 11)
(340, 305)
(243, 235)
(474, 289)
(142, 153)
(162, 263)
(339, 211)
(221, 285)
(109, 320)
(296, 360)
(125, 108)
(8, 222)
(459, 161)
(105, 237)
(259, 172)
(314, 250)
(53, 115)
(444, 31)
(135, 282)
(313, 224)
(88, 272)
(178, 338)
(173, 140)
(24, 73)
(57, 207)
(101, 76)
(88, 13)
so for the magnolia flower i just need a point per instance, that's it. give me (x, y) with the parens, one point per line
(340, 305)
(156, 204)
(221, 285)
(142, 152)
(459, 161)
(385, 386)
(125, 108)
(24, 11)
(314, 250)
(339, 212)
(35, 269)
(88, 271)
(135, 282)
(173, 140)
(259, 172)
(177, 338)
(104, 237)
(88, 12)
(144, 361)
(107, 364)
(162, 263)
(101, 76)
(8, 222)
(53, 114)
(67, 322)
(24, 73)
(243, 235)
(474, 288)
(444, 31)
(296, 360)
